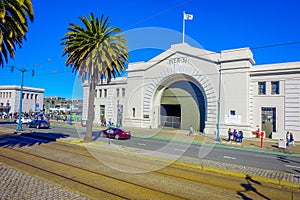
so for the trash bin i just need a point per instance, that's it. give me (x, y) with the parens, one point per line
(281, 143)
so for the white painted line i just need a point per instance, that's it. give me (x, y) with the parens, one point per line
(141, 144)
(262, 156)
(228, 157)
(292, 166)
(179, 150)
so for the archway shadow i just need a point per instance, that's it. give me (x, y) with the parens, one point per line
(250, 187)
(29, 139)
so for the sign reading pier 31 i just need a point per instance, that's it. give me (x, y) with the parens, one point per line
(177, 60)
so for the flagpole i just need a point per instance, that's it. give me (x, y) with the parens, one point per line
(183, 26)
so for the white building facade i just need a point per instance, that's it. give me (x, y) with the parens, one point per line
(186, 86)
(32, 99)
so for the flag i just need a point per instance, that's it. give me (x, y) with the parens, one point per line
(188, 16)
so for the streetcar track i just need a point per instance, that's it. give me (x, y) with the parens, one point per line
(79, 168)
(195, 174)
(72, 150)
(59, 175)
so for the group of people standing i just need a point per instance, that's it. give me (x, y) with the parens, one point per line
(290, 139)
(236, 135)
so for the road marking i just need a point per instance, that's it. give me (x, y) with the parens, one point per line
(228, 157)
(179, 150)
(141, 144)
(262, 156)
(292, 166)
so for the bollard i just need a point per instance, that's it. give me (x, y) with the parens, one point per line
(261, 138)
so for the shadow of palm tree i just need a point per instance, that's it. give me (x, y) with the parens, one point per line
(287, 159)
(29, 139)
(250, 186)
(7, 122)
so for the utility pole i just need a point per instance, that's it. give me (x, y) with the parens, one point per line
(218, 139)
(22, 70)
(19, 127)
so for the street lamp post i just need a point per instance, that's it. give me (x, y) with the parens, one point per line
(118, 104)
(218, 139)
(19, 127)
(71, 114)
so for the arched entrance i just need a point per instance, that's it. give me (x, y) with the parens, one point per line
(180, 102)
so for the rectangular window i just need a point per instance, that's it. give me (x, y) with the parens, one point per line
(261, 88)
(232, 112)
(105, 93)
(118, 92)
(0, 94)
(133, 112)
(100, 95)
(123, 92)
(275, 87)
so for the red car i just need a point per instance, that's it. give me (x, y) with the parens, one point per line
(115, 133)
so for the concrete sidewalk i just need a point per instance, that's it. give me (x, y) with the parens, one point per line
(268, 145)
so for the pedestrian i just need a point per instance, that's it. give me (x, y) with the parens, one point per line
(229, 134)
(110, 123)
(191, 130)
(240, 136)
(287, 137)
(235, 135)
(292, 139)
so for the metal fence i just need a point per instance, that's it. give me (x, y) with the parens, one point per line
(170, 121)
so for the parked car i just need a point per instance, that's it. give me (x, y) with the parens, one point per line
(24, 120)
(116, 133)
(38, 123)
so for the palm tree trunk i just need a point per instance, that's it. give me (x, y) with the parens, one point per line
(91, 112)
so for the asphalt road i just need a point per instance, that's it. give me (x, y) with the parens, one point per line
(263, 160)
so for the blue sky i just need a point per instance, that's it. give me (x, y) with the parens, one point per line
(217, 25)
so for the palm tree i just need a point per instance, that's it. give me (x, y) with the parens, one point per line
(96, 51)
(14, 15)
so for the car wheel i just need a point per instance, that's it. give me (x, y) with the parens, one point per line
(117, 137)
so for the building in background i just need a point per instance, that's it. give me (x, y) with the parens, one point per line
(61, 104)
(10, 99)
(186, 86)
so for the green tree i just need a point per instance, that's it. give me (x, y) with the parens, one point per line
(96, 51)
(14, 17)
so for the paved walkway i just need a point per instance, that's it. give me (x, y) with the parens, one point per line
(15, 185)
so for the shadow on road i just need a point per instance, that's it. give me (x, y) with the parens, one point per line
(250, 187)
(7, 122)
(29, 139)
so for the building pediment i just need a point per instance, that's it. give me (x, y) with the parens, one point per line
(178, 53)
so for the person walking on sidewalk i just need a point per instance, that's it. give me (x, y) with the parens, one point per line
(229, 134)
(287, 137)
(191, 130)
(292, 139)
